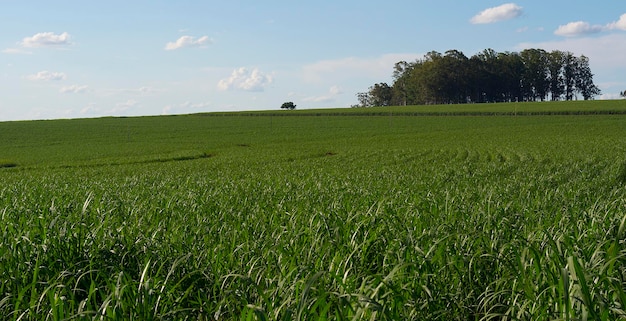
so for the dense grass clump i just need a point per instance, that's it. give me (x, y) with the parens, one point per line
(621, 173)
(316, 218)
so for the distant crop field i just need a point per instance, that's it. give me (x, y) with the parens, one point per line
(515, 108)
(336, 216)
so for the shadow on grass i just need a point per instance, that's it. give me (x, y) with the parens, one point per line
(145, 161)
(7, 164)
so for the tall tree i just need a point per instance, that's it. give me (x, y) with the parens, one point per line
(511, 70)
(364, 99)
(455, 69)
(484, 71)
(584, 79)
(399, 94)
(433, 77)
(380, 94)
(569, 75)
(535, 83)
(555, 68)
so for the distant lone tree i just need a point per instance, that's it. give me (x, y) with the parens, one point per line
(623, 94)
(288, 105)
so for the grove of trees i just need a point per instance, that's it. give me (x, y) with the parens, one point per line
(488, 76)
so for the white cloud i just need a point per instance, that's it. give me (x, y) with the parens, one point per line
(188, 41)
(46, 39)
(73, 89)
(581, 28)
(619, 24)
(47, 76)
(500, 13)
(577, 28)
(247, 80)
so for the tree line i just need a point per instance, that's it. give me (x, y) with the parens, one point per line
(488, 76)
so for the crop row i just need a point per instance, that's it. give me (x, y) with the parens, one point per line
(357, 233)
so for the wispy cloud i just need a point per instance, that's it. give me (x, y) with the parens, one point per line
(355, 67)
(47, 76)
(496, 14)
(91, 108)
(73, 89)
(185, 107)
(247, 80)
(16, 51)
(188, 41)
(319, 99)
(144, 90)
(189, 104)
(46, 39)
(124, 106)
(129, 91)
(333, 92)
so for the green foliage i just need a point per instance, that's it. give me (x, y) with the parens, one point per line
(486, 77)
(378, 95)
(288, 105)
(347, 218)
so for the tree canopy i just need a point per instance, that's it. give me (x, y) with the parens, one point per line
(488, 76)
(288, 105)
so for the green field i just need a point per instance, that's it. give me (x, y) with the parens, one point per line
(397, 213)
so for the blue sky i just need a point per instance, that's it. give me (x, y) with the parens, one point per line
(74, 59)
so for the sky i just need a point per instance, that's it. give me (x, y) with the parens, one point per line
(80, 59)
